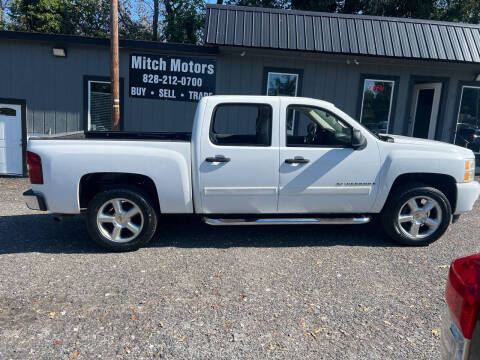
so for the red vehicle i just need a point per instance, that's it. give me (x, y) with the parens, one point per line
(461, 325)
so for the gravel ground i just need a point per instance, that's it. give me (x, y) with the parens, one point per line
(199, 292)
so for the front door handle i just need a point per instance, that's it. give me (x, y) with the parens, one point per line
(217, 158)
(297, 160)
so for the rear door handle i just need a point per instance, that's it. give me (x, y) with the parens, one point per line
(297, 160)
(218, 158)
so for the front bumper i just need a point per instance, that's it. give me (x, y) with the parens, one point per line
(34, 201)
(467, 194)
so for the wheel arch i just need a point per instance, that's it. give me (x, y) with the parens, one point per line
(92, 183)
(445, 183)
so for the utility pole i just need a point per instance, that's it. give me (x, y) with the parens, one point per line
(114, 72)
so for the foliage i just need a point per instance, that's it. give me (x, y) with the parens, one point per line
(52, 16)
(316, 5)
(458, 10)
(260, 3)
(182, 20)
(3, 7)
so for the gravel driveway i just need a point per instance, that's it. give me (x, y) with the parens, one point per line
(200, 292)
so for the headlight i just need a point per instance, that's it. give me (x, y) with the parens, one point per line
(469, 174)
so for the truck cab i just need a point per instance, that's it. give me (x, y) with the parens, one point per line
(282, 155)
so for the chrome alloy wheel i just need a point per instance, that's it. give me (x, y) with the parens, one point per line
(120, 220)
(419, 217)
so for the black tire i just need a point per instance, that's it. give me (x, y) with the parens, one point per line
(146, 216)
(401, 233)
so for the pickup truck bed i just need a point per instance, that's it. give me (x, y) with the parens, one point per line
(120, 135)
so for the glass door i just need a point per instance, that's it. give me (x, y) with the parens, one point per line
(425, 108)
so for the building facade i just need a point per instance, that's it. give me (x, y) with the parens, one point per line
(397, 76)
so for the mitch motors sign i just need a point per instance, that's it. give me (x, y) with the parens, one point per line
(171, 77)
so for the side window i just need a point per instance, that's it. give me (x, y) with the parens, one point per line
(282, 84)
(242, 125)
(309, 126)
(99, 107)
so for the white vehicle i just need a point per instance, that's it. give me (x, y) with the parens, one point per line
(253, 160)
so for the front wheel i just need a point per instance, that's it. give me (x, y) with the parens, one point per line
(121, 219)
(416, 215)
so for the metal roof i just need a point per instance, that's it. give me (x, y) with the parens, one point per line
(342, 33)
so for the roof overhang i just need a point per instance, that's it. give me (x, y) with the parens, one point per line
(342, 34)
(58, 39)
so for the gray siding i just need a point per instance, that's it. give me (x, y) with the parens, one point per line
(53, 87)
(32, 73)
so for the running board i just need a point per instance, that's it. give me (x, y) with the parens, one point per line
(288, 221)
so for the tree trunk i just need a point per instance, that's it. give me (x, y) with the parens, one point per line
(170, 20)
(155, 20)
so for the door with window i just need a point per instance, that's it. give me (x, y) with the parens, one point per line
(320, 172)
(238, 158)
(425, 108)
(10, 139)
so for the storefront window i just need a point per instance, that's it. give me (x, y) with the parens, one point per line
(99, 106)
(377, 104)
(282, 84)
(468, 120)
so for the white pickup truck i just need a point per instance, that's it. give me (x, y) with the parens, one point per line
(253, 160)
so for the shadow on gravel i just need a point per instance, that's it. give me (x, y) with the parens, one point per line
(40, 233)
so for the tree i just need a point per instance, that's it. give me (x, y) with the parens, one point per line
(315, 5)
(3, 8)
(155, 20)
(89, 17)
(258, 3)
(182, 20)
(458, 10)
(50, 16)
(78, 17)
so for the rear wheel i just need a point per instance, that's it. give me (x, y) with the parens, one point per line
(416, 215)
(121, 219)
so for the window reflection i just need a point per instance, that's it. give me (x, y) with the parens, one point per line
(468, 120)
(377, 104)
(281, 84)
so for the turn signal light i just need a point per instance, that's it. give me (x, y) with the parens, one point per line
(463, 293)
(469, 174)
(35, 172)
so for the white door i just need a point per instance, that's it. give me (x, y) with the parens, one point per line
(10, 139)
(238, 157)
(320, 172)
(425, 108)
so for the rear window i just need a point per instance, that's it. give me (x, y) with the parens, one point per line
(242, 125)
